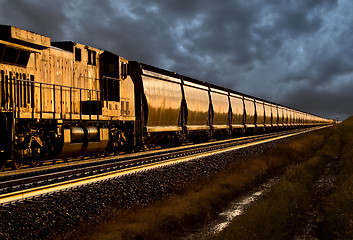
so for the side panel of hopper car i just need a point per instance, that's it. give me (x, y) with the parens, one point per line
(237, 111)
(197, 102)
(268, 115)
(290, 117)
(305, 117)
(297, 118)
(280, 116)
(308, 119)
(300, 119)
(250, 112)
(275, 116)
(285, 117)
(220, 105)
(164, 103)
(260, 114)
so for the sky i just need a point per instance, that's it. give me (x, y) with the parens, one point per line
(297, 53)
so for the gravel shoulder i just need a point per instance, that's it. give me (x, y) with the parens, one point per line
(68, 214)
(97, 211)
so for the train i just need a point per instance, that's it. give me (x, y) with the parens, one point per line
(62, 100)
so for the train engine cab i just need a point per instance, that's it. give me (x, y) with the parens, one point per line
(101, 112)
(20, 53)
(61, 99)
(118, 101)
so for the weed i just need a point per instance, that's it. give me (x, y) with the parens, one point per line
(338, 223)
(197, 204)
(275, 216)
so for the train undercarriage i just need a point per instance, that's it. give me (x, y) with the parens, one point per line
(29, 141)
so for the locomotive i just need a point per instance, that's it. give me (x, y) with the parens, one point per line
(65, 99)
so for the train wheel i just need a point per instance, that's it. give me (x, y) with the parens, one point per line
(34, 162)
(16, 163)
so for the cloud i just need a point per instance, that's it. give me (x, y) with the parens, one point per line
(297, 52)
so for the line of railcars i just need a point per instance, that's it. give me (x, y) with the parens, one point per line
(65, 99)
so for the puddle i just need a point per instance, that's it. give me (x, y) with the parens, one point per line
(236, 208)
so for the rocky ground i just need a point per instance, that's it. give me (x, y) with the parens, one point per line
(61, 213)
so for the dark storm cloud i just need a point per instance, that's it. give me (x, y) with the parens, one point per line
(295, 52)
(37, 16)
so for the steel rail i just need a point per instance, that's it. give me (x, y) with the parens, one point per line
(127, 168)
(23, 173)
(82, 168)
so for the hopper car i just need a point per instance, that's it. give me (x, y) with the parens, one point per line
(66, 99)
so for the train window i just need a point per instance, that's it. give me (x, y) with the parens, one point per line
(77, 54)
(89, 56)
(123, 70)
(110, 76)
(23, 58)
(94, 53)
(127, 108)
(10, 55)
(122, 108)
(111, 89)
(111, 84)
(13, 55)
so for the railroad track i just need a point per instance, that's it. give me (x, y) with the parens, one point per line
(30, 183)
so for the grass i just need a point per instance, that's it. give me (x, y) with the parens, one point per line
(338, 223)
(275, 217)
(199, 203)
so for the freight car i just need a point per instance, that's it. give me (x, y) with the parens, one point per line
(65, 99)
(171, 108)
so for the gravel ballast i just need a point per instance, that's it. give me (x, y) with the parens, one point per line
(60, 213)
